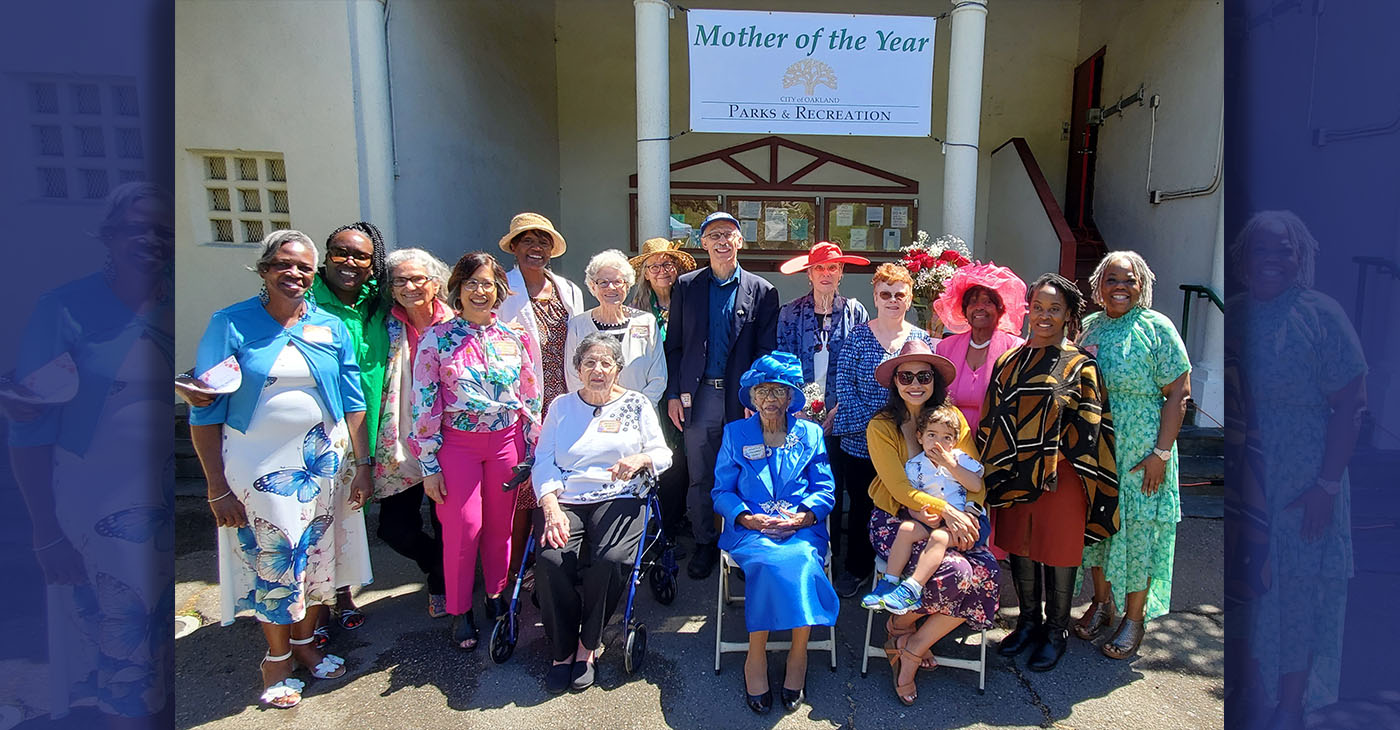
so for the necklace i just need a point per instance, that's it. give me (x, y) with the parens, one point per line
(976, 346)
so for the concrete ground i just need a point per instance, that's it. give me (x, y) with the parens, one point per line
(405, 674)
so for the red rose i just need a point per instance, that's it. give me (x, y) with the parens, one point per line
(818, 406)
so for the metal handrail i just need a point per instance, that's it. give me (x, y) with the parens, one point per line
(1191, 292)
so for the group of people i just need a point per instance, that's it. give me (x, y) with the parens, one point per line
(369, 374)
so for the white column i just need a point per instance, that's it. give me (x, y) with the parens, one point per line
(968, 31)
(653, 119)
(374, 134)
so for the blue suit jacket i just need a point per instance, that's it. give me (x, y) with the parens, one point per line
(742, 484)
(752, 334)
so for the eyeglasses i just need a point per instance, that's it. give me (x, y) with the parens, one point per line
(609, 283)
(718, 236)
(354, 258)
(769, 392)
(898, 296)
(592, 363)
(666, 265)
(399, 282)
(476, 285)
(907, 378)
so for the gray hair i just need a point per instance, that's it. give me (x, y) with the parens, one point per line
(276, 240)
(598, 339)
(1140, 270)
(611, 258)
(437, 270)
(1297, 233)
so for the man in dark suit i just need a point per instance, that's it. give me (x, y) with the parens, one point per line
(722, 319)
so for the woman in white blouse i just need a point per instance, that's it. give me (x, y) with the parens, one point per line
(610, 277)
(597, 450)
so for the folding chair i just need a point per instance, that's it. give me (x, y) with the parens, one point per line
(978, 665)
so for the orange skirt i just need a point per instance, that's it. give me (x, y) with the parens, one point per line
(1049, 530)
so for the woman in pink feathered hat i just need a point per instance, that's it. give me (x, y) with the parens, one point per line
(985, 305)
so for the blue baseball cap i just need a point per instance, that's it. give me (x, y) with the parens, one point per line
(719, 216)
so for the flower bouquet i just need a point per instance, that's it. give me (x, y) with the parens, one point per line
(931, 264)
(815, 410)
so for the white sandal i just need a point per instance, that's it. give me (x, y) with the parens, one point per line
(289, 687)
(330, 666)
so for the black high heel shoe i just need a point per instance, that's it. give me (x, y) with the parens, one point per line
(496, 607)
(760, 704)
(464, 630)
(792, 698)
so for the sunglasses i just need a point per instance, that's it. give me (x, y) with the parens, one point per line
(907, 378)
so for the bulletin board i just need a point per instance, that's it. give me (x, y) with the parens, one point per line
(778, 225)
(688, 209)
(872, 227)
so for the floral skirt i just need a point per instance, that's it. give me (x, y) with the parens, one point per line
(965, 586)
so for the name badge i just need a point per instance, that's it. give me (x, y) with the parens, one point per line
(507, 349)
(609, 425)
(685, 399)
(641, 331)
(316, 333)
(753, 452)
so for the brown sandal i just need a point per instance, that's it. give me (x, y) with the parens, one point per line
(926, 662)
(907, 693)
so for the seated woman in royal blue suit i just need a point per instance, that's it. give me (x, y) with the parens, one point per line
(773, 489)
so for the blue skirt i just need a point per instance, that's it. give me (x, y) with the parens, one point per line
(785, 584)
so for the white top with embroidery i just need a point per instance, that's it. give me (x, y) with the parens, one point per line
(937, 481)
(580, 443)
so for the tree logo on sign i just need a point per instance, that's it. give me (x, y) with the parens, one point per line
(809, 73)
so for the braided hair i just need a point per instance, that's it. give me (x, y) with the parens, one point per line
(1074, 300)
(378, 271)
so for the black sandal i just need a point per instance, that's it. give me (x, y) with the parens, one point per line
(463, 631)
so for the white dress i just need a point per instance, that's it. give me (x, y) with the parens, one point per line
(302, 538)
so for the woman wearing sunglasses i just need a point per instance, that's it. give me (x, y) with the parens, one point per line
(860, 397)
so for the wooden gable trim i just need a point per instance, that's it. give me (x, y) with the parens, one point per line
(792, 183)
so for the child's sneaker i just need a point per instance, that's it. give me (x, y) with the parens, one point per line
(874, 599)
(904, 598)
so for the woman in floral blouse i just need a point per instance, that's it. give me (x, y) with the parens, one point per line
(476, 402)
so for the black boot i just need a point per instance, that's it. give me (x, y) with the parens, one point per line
(1025, 578)
(1059, 594)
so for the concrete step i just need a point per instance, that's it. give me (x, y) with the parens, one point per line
(1195, 469)
(1201, 441)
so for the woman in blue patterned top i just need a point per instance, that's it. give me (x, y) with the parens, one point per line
(861, 396)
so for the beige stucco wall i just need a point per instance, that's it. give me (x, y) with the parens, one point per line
(1030, 57)
(1019, 233)
(259, 76)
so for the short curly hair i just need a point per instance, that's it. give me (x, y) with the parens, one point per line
(889, 273)
(946, 414)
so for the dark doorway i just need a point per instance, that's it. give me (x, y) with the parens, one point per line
(1083, 143)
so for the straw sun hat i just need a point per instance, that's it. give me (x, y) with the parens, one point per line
(523, 222)
(653, 246)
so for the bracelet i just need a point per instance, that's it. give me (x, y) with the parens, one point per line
(52, 544)
(221, 496)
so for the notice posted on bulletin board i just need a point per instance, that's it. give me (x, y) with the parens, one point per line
(873, 225)
(773, 224)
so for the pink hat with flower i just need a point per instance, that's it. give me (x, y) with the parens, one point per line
(999, 279)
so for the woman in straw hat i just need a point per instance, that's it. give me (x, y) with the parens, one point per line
(541, 302)
(658, 267)
(813, 327)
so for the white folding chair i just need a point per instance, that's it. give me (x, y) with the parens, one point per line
(978, 665)
(725, 598)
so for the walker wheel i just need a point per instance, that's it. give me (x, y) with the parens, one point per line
(502, 641)
(663, 584)
(636, 650)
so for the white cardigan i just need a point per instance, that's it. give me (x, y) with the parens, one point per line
(643, 354)
(516, 308)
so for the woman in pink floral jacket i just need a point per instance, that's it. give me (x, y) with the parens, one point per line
(476, 406)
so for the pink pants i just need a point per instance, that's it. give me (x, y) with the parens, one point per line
(476, 515)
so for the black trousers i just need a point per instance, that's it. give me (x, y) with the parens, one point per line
(401, 528)
(674, 482)
(572, 614)
(860, 554)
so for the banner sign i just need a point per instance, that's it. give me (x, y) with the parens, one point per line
(759, 72)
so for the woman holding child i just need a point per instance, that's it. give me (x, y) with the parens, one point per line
(963, 585)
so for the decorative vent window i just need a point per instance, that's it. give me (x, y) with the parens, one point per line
(245, 195)
(86, 135)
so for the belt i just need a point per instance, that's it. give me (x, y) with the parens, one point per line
(716, 383)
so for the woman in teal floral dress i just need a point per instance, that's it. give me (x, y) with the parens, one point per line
(1306, 384)
(1146, 372)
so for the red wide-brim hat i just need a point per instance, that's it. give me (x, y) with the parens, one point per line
(823, 252)
(999, 279)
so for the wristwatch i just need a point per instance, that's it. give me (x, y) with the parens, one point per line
(365, 461)
(1163, 454)
(1332, 487)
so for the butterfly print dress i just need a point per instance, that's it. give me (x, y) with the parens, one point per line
(283, 471)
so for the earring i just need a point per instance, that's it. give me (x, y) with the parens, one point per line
(263, 296)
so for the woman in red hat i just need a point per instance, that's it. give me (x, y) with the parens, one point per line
(813, 327)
